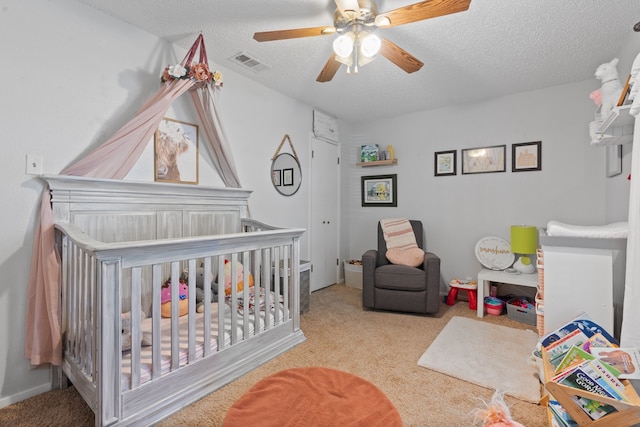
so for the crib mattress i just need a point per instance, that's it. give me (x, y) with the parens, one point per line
(146, 352)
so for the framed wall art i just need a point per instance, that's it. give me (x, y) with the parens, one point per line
(526, 156)
(176, 152)
(614, 160)
(444, 163)
(276, 177)
(379, 190)
(484, 160)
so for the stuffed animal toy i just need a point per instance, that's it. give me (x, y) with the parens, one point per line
(200, 287)
(611, 88)
(145, 337)
(496, 414)
(165, 299)
(239, 277)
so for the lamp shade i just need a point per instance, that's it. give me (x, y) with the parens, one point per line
(524, 239)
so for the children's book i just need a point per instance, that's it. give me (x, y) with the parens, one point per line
(557, 349)
(574, 356)
(597, 340)
(582, 322)
(562, 416)
(626, 360)
(579, 378)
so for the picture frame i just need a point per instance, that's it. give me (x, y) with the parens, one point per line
(175, 153)
(369, 153)
(276, 176)
(484, 159)
(614, 160)
(526, 156)
(444, 163)
(379, 190)
(287, 177)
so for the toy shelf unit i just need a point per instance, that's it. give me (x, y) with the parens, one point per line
(615, 129)
(627, 413)
(378, 163)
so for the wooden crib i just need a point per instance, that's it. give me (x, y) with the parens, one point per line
(119, 242)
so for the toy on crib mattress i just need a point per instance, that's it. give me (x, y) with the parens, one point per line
(165, 299)
(145, 337)
(200, 287)
(239, 277)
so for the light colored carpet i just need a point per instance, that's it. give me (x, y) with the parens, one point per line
(492, 356)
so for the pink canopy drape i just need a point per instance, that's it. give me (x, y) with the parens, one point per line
(113, 159)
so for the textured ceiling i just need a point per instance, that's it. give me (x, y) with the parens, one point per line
(495, 48)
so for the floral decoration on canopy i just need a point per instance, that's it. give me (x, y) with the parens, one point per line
(198, 71)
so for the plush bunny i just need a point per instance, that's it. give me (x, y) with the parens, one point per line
(611, 88)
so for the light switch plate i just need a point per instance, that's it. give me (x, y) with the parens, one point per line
(33, 165)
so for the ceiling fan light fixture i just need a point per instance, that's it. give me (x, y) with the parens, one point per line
(343, 45)
(369, 44)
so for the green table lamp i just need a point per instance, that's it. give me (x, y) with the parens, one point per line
(524, 241)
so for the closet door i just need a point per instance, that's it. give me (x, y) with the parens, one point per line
(324, 213)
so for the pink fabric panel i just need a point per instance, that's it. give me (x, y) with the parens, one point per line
(203, 99)
(43, 340)
(115, 158)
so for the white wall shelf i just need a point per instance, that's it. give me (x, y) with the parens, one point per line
(615, 129)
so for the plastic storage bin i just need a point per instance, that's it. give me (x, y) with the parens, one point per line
(520, 313)
(353, 273)
(493, 306)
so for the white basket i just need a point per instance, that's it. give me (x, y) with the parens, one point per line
(352, 274)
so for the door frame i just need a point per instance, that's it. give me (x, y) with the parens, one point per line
(338, 204)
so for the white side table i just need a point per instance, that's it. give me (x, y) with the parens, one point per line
(485, 276)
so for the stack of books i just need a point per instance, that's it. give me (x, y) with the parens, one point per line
(584, 356)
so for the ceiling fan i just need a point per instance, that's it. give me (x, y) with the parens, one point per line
(355, 21)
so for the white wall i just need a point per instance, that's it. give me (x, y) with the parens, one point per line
(73, 76)
(459, 210)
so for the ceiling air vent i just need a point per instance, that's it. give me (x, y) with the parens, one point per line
(249, 62)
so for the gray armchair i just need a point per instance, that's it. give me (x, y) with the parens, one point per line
(387, 286)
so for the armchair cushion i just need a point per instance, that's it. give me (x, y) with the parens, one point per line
(412, 257)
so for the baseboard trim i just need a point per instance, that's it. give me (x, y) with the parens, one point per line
(26, 394)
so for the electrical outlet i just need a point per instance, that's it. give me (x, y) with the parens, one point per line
(34, 165)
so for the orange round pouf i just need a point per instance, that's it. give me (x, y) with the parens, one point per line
(313, 397)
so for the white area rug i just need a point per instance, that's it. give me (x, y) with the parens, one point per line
(492, 356)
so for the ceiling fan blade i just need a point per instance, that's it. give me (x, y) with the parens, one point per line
(419, 11)
(400, 57)
(329, 70)
(267, 36)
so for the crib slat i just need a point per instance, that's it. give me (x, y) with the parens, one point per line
(246, 320)
(156, 352)
(136, 332)
(222, 307)
(207, 306)
(268, 285)
(175, 311)
(192, 311)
